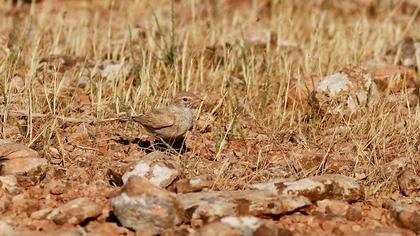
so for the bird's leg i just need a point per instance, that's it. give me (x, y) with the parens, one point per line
(155, 145)
(168, 145)
(182, 146)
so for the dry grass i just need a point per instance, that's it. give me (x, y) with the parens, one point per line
(259, 132)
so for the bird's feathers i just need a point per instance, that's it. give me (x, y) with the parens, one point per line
(157, 119)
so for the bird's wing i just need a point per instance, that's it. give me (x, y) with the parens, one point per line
(156, 119)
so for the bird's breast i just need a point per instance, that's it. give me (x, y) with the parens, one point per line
(185, 119)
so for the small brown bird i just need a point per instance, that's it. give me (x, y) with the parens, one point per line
(173, 121)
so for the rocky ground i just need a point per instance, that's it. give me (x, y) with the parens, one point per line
(310, 123)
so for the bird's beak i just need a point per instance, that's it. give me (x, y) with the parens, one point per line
(197, 101)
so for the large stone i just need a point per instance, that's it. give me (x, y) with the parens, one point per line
(409, 183)
(394, 78)
(211, 206)
(28, 171)
(405, 214)
(17, 84)
(75, 211)
(334, 84)
(242, 226)
(354, 213)
(22, 162)
(6, 229)
(395, 167)
(105, 229)
(332, 207)
(160, 169)
(407, 51)
(111, 70)
(316, 188)
(383, 232)
(321, 187)
(194, 184)
(218, 228)
(11, 150)
(24, 203)
(5, 203)
(41, 214)
(10, 184)
(56, 187)
(347, 90)
(270, 185)
(145, 207)
(60, 232)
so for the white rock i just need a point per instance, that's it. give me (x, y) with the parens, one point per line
(353, 102)
(111, 70)
(194, 184)
(250, 222)
(395, 167)
(141, 169)
(303, 185)
(243, 226)
(161, 174)
(146, 208)
(160, 169)
(22, 162)
(6, 229)
(17, 83)
(10, 184)
(334, 84)
(75, 211)
(211, 206)
(41, 214)
(271, 185)
(316, 188)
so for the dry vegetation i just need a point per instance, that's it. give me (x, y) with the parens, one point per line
(256, 63)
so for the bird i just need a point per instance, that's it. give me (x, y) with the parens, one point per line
(170, 123)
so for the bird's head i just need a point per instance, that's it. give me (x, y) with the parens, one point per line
(188, 100)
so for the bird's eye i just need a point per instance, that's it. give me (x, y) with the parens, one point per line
(184, 99)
